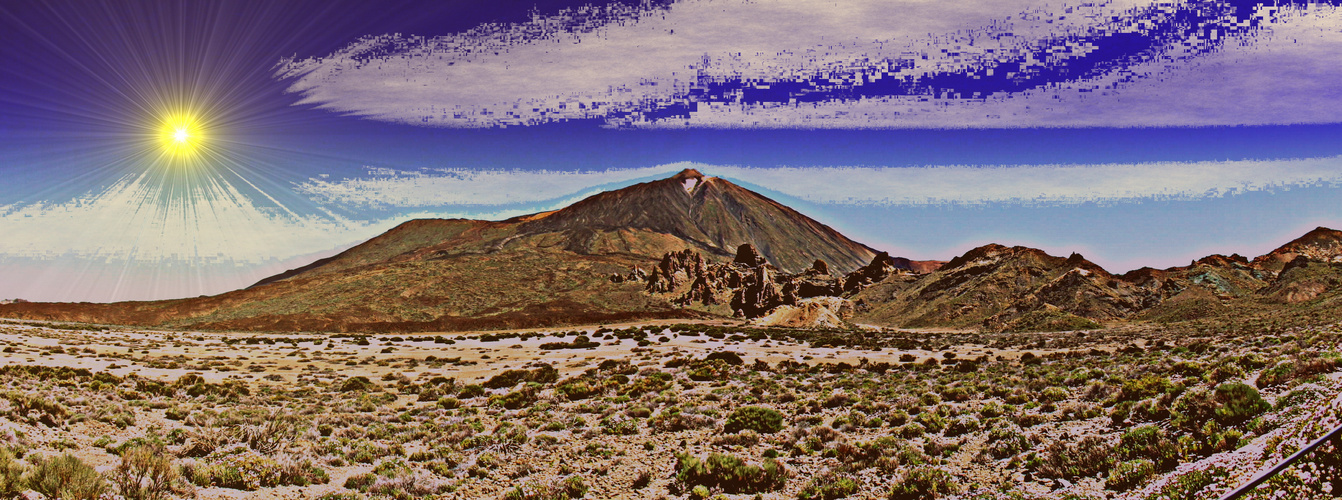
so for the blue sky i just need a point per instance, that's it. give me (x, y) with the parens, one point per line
(1138, 133)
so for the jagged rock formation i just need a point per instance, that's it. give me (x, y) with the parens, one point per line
(751, 287)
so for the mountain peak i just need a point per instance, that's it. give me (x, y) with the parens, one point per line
(687, 174)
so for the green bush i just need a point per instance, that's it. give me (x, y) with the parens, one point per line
(962, 425)
(828, 486)
(11, 474)
(924, 482)
(578, 389)
(1145, 387)
(146, 473)
(729, 473)
(1239, 403)
(1085, 458)
(755, 418)
(517, 399)
(243, 469)
(65, 477)
(1150, 443)
(566, 489)
(471, 391)
(1230, 404)
(1006, 441)
(1129, 474)
(448, 403)
(359, 383)
(1054, 394)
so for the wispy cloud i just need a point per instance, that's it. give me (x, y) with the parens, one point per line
(1030, 184)
(440, 188)
(868, 63)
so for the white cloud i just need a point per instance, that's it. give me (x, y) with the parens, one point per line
(566, 67)
(1029, 184)
(438, 188)
(132, 220)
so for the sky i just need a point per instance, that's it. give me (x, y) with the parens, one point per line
(163, 149)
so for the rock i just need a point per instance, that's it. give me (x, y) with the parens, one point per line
(819, 312)
(758, 295)
(819, 267)
(747, 255)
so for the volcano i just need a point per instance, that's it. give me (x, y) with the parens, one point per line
(538, 270)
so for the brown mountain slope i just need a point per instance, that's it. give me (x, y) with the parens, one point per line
(998, 288)
(994, 286)
(710, 214)
(1320, 245)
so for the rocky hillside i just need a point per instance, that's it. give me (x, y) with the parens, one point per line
(1020, 288)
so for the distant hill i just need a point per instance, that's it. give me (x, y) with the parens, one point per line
(1019, 288)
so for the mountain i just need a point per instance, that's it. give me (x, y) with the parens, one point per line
(540, 270)
(706, 213)
(1320, 245)
(693, 246)
(1020, 288)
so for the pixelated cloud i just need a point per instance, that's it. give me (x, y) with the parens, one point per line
(861, 64)
(903, 186)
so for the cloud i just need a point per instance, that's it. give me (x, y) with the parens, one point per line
(129, 221)
(903, 186)
(867, 63)
(438, 188)
(130, 241)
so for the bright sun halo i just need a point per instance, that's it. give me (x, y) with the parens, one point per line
(181, 136)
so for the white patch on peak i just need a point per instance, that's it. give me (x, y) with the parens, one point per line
(690, 183)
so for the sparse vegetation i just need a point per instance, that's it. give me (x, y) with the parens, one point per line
(400, 425)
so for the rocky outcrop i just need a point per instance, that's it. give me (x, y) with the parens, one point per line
(818, 312)
(757, 296)
(746, 255)
(751, 286)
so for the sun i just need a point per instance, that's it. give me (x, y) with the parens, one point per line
(182, 136)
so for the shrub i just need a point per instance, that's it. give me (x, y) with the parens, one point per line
(359, 383)
(1054, 394)
(828, 486)
(729, 473)
(471, 391)
(619, 425)
(755, 418)
(924, 482)
(578, 389)
(508, 378)
(1085, 458)
(1131, 473)
(146, 473)
(729, 357)
(65, 477)
(675, 420)
(962, 425)
(1006, 441)
(1149, 443)
(11, 475)
(1239, 403)
(516, 399)
(1143, 388)
(243, 469)
(568, 488)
